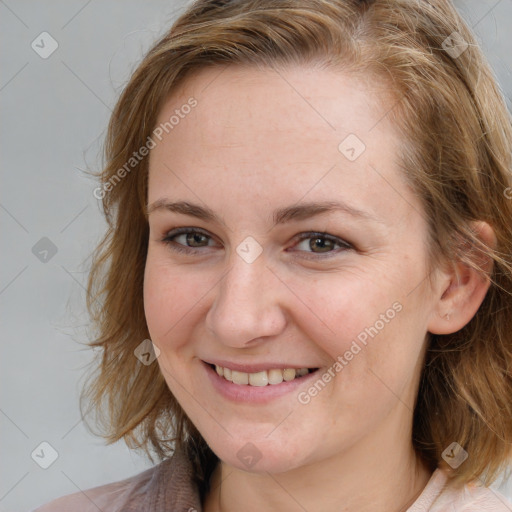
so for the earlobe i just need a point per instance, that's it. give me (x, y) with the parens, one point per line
(466, 289)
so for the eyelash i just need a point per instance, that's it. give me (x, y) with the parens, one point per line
(174, 246)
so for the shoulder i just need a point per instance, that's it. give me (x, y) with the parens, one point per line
(440, 496)
(172, 484)
(108, 498)
(472, 497)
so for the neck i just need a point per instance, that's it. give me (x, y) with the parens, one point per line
(373, 476)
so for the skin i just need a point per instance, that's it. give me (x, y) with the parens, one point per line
(259, 140)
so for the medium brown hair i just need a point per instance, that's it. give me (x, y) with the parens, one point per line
(456, 153)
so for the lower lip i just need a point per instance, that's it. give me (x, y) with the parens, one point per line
(256, 394)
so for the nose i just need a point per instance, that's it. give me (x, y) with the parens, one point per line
(248, 304)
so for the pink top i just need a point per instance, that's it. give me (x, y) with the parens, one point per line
(170, 487)
(471, 498)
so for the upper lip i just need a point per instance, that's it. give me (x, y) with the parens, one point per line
(256, 367)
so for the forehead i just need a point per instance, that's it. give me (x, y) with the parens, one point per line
(282, 132)
(309, 101)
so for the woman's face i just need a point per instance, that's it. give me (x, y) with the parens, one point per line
(300, 246)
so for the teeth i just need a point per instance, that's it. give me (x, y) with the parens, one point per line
(239, 377)
(289, 374)
(273, 376)
(258, 379)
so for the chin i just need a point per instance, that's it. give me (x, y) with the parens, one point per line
(259, 455)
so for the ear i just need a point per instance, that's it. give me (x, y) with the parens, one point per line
(462, 289)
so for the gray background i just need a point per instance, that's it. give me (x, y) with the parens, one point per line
(54, 113)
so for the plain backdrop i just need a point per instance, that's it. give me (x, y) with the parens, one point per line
(54, 111)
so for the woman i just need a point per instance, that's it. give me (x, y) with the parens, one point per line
(306, 282)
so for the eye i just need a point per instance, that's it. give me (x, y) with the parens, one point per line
(321, 243)
(187, 240)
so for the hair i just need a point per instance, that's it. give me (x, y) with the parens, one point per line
(456, 152)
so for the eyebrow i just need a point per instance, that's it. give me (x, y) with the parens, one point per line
(280, 216)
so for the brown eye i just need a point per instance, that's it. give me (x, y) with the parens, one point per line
(321, 243)
(186, 240)
(195, 239)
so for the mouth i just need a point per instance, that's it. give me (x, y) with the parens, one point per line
(260, 383)
(270, 377)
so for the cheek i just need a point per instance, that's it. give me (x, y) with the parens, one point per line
(371, 330)
(343, 309)
(170, 298)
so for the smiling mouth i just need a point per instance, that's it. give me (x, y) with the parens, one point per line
(271, 377)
